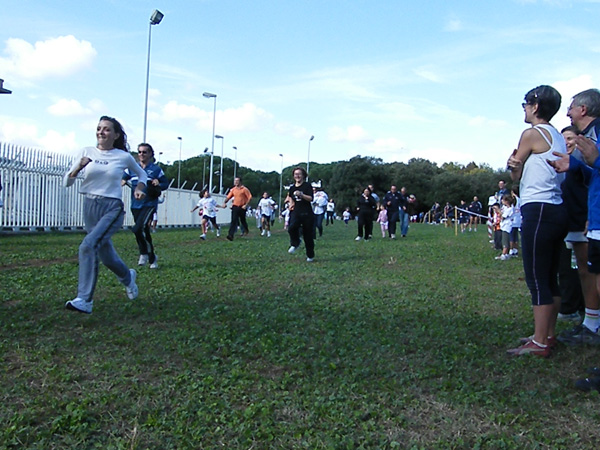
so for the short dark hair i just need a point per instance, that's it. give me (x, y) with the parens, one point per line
(148, 146)
(548, 100)
(571, 128)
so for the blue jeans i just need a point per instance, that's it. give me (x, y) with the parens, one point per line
(404, 219)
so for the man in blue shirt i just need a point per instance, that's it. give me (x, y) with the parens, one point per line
(144, 209)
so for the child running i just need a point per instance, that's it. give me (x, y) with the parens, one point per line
(383, 220)
(208, 209)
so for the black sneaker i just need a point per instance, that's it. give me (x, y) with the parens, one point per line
(588, 384)
(579, 335)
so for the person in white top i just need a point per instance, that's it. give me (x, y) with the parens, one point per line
(208, 210)
(103, 212)
(544, 224)
(266, 206)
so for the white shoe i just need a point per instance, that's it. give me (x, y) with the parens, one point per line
(292, 250)
(357, 238)
(310, 259)
(203, 236)
(154, 265)
(268, 234)
(263, 233)
(80, 305)
(393, 236)
(143, 260)
(132, 289)
(218, 232)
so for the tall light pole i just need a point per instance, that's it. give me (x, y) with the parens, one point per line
(212, 151)
(235, 164)
(155, 19)
(221, 168)
(280, 183)
(204, 169)
(308, 159)
(179, 169)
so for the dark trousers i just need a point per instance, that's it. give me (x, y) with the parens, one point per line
(329, 218)
(365, 222)
(141, 229)
(393, 218)
(304, 222)
(569, 283)
(542, 233)
(238, 217)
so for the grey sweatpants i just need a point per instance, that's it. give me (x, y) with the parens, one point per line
(103, 217)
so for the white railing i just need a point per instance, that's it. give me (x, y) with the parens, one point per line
(35, 200)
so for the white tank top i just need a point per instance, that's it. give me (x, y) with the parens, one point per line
(539, 181)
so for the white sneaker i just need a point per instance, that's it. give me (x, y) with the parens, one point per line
(203, 236)
(154, 265)
(143, 260)
(292, 250)
(357, 238)
(393, 236)
(310, 259)
(132, 289)
(218, 232)
(263, 233)
(268, 234)
(80, 305)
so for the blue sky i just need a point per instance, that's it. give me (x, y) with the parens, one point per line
(440, 80)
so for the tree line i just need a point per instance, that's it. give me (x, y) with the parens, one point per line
(344, 180)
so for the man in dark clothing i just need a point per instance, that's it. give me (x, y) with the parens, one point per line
(393, 201)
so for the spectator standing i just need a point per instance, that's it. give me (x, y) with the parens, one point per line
(544, 216)
(584, 113)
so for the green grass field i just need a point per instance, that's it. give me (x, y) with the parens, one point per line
(239, 345)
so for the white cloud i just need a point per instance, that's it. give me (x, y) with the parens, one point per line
(247, 117)
(453, 24)
(480, 121)
(288, 129)
(354, 133)
(58, 57)
(27, 134)
(64, 108)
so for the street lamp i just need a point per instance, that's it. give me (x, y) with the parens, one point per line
(2, 89)
(204, 169)
(308, 159)
(234, 164)
(155, 19)
(221, 169)
(280, 183)
(179, 170)
(212, 151)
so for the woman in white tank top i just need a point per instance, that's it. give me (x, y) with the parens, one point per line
(544, 218)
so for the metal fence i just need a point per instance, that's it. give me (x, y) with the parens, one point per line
(34, 198)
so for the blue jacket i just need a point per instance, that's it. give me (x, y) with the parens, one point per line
(154, 172)
(591, 177)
